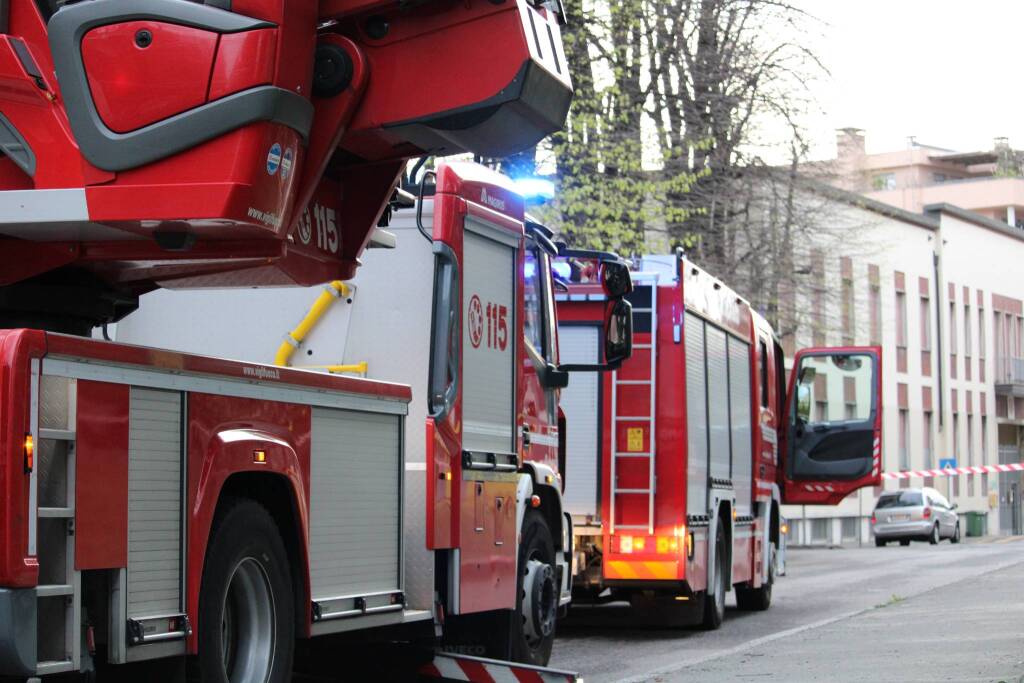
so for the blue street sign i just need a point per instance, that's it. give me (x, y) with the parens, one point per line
(947, 463)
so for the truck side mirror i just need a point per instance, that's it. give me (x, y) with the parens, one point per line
(618, 333)
(615, 279)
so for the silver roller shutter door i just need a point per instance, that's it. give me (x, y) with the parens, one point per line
(696, 418)
(487, 387)
(580, 402)
(718, 402)
(154, 503)
(354, 530)
(739, 407)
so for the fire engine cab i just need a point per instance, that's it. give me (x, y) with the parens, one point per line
(678, 461)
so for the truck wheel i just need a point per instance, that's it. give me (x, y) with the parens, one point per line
(533, 627)
(714, 596)
(246, 615)
(759, 599)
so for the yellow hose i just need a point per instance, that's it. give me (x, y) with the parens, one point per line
(360, 368)
(332, 292)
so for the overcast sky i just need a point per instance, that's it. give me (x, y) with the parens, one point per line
(946, 71)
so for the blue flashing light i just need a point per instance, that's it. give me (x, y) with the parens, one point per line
(535, 189)
(529, 270)
(562, 271)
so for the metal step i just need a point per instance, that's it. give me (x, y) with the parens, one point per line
(632, 455)
(634, 490)
(58, 595)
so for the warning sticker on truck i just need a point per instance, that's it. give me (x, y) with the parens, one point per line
(635, 439)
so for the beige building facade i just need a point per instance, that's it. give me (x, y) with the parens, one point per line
(939, 292)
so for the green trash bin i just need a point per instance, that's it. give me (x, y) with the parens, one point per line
(976, 525)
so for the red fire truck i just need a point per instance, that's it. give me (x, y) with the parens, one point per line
(159, 503)
(677, 462)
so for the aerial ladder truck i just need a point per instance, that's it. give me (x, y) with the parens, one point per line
(168, 513)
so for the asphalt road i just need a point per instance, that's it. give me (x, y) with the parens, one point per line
(920, 613)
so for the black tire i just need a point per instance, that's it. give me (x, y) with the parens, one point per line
(955, 538)
(934, 538)
(904, 541)
(759, 599)
(531, 643)
(246, 580)
(880, 542)
(714, 596)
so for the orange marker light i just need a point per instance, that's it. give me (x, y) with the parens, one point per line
(30, 453)
(535, 501)
(259, 457)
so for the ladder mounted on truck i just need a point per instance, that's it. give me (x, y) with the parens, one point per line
(638, 377)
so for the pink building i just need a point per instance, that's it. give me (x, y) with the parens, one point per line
(989, 183)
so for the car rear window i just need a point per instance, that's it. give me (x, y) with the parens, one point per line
(904, 499)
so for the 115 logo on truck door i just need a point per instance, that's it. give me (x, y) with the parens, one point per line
(496, 321)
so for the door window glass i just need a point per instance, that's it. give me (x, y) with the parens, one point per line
(533, 294)
(840, 387)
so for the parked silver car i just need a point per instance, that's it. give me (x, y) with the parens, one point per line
(914, 515)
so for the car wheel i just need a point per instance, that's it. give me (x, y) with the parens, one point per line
(934, 538)
(904, 541)
(880, 542)
(956, 534)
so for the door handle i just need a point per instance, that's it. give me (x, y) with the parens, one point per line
(526, 435)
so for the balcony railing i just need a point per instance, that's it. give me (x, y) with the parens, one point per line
(1010, 375)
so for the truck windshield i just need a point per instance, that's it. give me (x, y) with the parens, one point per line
(904, 499)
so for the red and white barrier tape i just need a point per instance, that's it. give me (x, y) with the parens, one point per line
(949, 471)
(463, 668)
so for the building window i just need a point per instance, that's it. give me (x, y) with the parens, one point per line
(956, 452)
(952, 339)
(984, 454)
(929, 459)
(821, 411)
(926, 324)
(939, 177)
(901, 320)
(904, 440)
(818, 297)
(847, 304)
(884, 181)
(875, 311)
(970, 454)
(819, 530)
(968, 334)
(849, 528)
(952, 328)
(981, 344)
